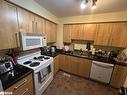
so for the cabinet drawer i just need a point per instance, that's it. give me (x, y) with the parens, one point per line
(25, 85)
(26, 89)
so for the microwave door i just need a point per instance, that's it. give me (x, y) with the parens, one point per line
(31, 42)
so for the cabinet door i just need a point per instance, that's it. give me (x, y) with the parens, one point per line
(22, 87)
(124, 35)
(89, 31)
(84, 67)
(118, 38)
(51, 30)
(67, 33)
(118, 76)
(77, 31)
(56, 64)
(8, 25)
(26, 21)
(103, 34)
(65, 63)
(54, 32)
(74, 64)
(48, 30)
(39, 24)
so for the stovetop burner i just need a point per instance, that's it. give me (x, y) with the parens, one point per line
(27, 62)
(34, 64)
(46, 57)
(40, 57)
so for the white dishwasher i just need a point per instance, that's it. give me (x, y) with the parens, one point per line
(101, 71)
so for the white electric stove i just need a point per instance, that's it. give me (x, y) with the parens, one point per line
(42, 67)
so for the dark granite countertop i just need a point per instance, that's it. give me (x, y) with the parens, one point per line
(86, 56)
(13, 76)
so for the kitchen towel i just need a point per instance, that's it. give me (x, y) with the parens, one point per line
(42, 74)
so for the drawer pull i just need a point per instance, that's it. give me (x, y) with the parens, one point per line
(16, 87)
(24, 91)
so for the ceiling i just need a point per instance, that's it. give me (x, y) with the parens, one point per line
(64, 8)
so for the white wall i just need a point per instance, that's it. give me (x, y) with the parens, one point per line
(36, 8)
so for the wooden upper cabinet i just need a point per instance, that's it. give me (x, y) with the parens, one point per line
(54, 32)
(77, 31)
(26, 20)
(89, 31)
(111, 34)
(118, 36)
(67, 33)
(124, 35)
(39, 24)
(51, 30)
(103, 34)
(8, 25)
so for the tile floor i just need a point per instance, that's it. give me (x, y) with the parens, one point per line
(66, 84)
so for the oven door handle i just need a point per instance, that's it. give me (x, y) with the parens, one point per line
(106, 65)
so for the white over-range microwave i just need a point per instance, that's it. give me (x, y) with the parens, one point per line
(31, 40)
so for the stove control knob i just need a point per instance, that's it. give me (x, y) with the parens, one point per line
(7, 65)
(35, 58)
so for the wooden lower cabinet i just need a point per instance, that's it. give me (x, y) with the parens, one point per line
(118, 76)
(22, 87)
(84, 67)
(56, 64)
(65, 63)
(75, 65)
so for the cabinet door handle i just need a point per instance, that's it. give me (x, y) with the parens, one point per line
(24, 91)
(36, 27)
(33, 25)
(16, 87)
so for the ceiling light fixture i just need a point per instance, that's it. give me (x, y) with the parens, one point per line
(94, 4)
(84, 4)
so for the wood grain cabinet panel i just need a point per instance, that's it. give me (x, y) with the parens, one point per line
(111, 34)
(26, 20)
(67, 31)
(118, 38)
(77, 31)
(56, 64)
(89, 31)
(74, 64)
(39, 24)
(8, 25)
(84, 68)
(118, 76)
(103, 34)
(65, 63)
(51, 30)
(22, 87)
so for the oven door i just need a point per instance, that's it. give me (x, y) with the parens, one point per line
(42, 81)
